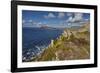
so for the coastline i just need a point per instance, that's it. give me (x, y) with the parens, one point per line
(44, 36)
(68, 46)
(72, 44)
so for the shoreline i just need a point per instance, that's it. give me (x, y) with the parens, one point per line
(72, 44)
(39, 52)
(55, 52)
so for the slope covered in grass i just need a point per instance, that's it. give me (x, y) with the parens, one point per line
(73, 44)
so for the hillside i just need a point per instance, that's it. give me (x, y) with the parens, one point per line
(73, 44)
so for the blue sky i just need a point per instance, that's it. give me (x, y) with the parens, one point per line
(53, 19)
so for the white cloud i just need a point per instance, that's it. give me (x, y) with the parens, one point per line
(69, 14)
(23, 21)
(78, 17)
(61, 15)
(50, 15)
(38, 24)
(27, 21)
(30, 21)
(69, 19)
(86, 19)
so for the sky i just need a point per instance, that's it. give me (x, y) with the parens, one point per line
(53, 19)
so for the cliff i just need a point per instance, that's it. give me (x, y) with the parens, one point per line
(73, 44)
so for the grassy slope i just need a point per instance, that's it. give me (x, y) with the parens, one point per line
(76, 45)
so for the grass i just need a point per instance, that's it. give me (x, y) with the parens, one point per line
(73, 47)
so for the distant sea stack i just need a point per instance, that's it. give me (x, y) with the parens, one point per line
(44, 26)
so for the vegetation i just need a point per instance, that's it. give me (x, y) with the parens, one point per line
(73, 44)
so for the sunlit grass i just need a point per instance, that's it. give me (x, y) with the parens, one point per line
(73, 47)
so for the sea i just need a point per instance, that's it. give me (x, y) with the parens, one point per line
(35, 41)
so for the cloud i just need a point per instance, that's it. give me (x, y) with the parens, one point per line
(27, 21)
(61, 15)
(69, 14)
(23, 21)
(30, 21)
(38, 24)
(78, 17)
(50, 15)
(69, 19)
(33, 23)
(86, 19)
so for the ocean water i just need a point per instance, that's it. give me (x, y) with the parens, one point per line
(35, 40)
